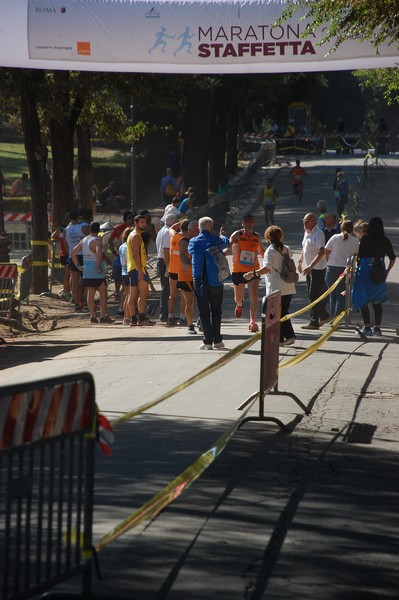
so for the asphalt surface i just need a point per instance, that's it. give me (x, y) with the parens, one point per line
(309, 514)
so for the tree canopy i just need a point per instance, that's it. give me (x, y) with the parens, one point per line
(377, 22)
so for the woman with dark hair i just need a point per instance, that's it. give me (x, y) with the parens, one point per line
(370, 278)
(272, 265)
(339, 248)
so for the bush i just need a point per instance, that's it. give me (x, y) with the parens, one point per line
(22, 204)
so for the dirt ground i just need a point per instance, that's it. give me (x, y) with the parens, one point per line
(43, 313)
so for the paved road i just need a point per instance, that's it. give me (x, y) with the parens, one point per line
(310, 514)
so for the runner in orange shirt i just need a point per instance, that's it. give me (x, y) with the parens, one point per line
(246, 244)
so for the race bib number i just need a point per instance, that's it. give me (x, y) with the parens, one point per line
(247, 258)
(297, 177)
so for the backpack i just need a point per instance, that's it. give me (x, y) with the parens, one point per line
(288, 269)
(216, 266)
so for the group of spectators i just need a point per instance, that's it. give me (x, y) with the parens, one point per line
(181, 244)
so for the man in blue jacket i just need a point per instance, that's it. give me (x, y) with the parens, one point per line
(209, 298)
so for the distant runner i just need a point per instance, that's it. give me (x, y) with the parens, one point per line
(298, 175)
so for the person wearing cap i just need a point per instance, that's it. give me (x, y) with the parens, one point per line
(246, 244)
(163, 259)
(75, 231)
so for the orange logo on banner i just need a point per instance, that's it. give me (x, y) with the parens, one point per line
(84, 48)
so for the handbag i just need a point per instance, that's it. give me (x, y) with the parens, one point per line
(377, 271)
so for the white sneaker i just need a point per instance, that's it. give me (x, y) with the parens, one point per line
(218, 346)
(206, 347)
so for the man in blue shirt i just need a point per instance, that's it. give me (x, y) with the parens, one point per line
(209, 298)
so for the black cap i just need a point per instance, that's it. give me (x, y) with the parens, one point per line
(248, 218)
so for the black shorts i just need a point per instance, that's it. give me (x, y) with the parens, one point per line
(238, 278)
(173, 276)
(186, 286)
(64, 260)
(72, 264)
(93, 282)
(126, 280)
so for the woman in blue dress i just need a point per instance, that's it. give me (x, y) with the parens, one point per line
(368, 287)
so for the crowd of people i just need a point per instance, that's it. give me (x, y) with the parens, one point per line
(181, 245)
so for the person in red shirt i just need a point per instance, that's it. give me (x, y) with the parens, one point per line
(298, 175)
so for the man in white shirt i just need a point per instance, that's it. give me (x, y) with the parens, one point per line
(313, 256)
(163, 256)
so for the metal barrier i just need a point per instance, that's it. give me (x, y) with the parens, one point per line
(8, 280)
(46, 484)
(269, 361)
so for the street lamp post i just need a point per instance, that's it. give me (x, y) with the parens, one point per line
(133, 201)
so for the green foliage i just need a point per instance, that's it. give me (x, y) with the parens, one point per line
(22, 204)
(383, 81)
(344, 19)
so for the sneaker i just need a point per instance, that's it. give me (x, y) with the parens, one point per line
(288, 342)
(133, 321)
(191, 330)
(106, 319)
(253, 327)
(93, 320)
(126, 321)
(218, 345)
(206, 347)
(120, 312)
(377, 331)
(182, 322)
(238, 310)
(310, 326)
(170, 322)
(78, 308)
(145, 322)
(163, 319)
(324, 321)
(366, 331)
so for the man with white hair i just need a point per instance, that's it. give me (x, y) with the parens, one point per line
(209, 298)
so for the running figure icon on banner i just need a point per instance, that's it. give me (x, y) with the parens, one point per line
(184, 37)
(160, 41)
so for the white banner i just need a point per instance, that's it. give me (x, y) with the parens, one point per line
(170, 36)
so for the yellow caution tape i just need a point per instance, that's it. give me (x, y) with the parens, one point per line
(169, 493)
(312, 304)
(182, 386)
(39, 263)
(39, 243)
(300, 357)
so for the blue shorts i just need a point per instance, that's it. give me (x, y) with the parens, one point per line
(134, 278)
(117, 271)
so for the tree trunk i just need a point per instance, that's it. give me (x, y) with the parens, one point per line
(232, 139)
(36, 154)
(217, 145)
(85, 167)
(62, 128)
(197, 116)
